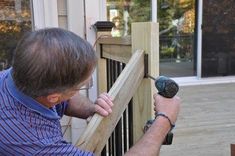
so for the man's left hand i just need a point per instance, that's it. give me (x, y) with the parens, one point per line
(103, 104)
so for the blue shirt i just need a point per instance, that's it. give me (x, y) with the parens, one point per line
(29, 128)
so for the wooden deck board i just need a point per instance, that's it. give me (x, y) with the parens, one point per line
(206, 124)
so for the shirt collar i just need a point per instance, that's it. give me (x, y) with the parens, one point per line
(28, 101)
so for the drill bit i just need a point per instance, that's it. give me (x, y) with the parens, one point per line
(151, 77)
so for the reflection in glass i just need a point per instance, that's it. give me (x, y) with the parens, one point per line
(15, 20)
(123, 12)
(177, 25)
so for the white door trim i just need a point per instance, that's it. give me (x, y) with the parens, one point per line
(45, 13)
(199, 39)
(154, 10)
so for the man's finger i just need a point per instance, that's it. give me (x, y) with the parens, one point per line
(101, 111)
(106, 99)
(103, 104)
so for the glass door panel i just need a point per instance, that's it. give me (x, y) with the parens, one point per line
(177, 30)
(177, 37)
(123, 12)
(15, 20)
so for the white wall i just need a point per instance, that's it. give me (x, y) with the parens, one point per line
(75, 10)
(45, 13)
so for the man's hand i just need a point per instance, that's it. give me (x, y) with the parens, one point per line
(168, 106)
(103, 104)
(151, 141)
(81, 107)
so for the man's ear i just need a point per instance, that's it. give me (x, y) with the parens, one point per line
(54, 98)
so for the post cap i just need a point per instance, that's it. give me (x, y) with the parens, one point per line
(103, 25)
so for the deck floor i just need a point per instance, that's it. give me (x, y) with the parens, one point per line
(206, 123)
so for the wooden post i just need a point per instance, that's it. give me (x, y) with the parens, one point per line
(103, 29)
(145, 35)
(101, 66)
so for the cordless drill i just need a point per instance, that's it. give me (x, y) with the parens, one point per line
(167, 88)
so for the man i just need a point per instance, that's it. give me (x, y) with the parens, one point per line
(49, 67)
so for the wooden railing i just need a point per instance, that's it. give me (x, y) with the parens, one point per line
(139, 55)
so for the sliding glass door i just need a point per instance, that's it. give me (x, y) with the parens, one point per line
(177, 23)
(177, 37)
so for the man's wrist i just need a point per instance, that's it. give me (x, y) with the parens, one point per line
(160, 114)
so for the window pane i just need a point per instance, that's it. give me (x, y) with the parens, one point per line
(15, 20)
(177, 37)
(176, 25)
(123, 12)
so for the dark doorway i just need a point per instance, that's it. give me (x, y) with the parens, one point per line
(218, 38)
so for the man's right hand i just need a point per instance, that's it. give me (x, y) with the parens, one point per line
(152, 140)
(168, 106)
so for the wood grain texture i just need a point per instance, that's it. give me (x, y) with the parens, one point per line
(99, 129)
(101, 67)
(120, 53)
(145, 35)
(206, 122)
(115, 40)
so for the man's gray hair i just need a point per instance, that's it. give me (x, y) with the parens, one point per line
(51, 60)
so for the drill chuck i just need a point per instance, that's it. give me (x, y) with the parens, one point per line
(166, 87)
